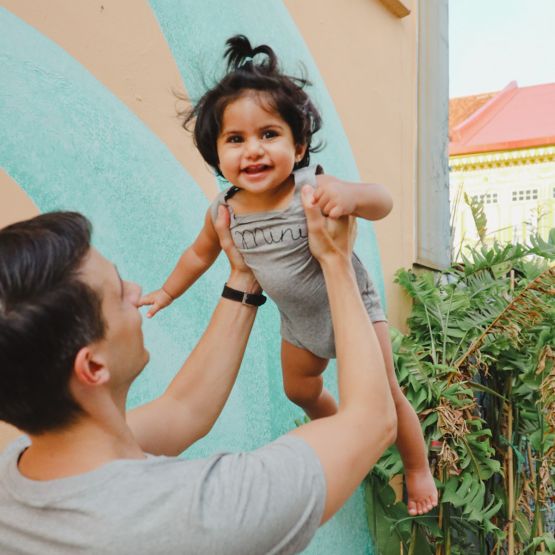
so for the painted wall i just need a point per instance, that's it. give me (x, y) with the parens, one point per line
(87, 122)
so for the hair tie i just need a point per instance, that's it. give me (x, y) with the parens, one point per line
(249, 59)
(245, 61)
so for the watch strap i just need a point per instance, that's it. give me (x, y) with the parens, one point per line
(252, 299)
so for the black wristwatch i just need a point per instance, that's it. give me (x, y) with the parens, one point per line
(252, 299)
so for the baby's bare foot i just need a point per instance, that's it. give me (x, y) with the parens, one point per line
(422, 491)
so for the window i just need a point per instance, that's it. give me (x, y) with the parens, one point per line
(526, 194)
(486, 198)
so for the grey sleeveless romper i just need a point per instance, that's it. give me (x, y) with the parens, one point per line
(275, 246)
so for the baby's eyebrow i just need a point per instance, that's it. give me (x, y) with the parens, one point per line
(230, 132)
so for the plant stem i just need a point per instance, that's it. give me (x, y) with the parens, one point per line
(440, 515)
(537, 528)
(412, 545)
(510, 477)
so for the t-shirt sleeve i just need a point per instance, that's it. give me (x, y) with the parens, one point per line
(268, 501)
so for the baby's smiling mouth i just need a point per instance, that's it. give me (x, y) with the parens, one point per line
(255, 168)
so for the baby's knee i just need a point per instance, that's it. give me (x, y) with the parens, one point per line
(303, 391)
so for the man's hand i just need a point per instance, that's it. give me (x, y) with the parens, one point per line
(334, 197)
(158, 299)
(327, 237)
(241, 276)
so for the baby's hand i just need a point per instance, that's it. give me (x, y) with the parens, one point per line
(158, 299)
(334, 197)
(327, 236)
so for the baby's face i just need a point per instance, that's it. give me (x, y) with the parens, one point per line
(256, 148)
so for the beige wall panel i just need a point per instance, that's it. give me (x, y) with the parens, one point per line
(367, 57)
(15, 205)
(121, 44)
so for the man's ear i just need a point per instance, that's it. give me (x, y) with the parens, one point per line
(89, 367)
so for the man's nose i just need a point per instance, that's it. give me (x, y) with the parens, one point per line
(136, 293)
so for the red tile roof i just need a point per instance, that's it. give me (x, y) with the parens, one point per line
(509, 119)
(464, 106)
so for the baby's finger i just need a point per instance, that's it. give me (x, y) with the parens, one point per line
(327, 208)
(146, 300)
(318, 192)
(322, 199)
(155, 308)
(336, 212)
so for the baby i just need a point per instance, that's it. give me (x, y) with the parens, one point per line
(255, 128)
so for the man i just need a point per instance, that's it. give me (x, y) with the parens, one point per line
(91, 478)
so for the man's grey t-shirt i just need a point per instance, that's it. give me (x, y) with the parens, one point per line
(266, 501)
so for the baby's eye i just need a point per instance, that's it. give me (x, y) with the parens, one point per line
(269, 134)
(234, 139)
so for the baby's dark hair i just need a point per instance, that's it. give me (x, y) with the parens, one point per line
(285, 93)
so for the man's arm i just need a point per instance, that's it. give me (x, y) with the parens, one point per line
(196, 396)
(351, 441)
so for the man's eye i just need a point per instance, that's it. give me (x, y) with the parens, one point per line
(270, 134)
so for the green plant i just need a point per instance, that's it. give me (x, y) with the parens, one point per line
(478, 366)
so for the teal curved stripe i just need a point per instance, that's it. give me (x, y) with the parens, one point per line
(196, 33)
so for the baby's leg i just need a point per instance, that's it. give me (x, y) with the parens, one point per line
(422, 492)
(303, 382)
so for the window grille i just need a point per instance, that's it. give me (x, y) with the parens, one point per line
(527, 194)
(486, 198)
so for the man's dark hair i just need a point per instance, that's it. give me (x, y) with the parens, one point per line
(47, 314)
(285, 93)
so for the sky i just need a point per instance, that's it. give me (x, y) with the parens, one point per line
(494, 42)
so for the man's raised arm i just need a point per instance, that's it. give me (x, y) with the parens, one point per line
(195, 398)
(351, 441)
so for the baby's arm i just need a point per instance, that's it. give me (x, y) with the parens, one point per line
(337, 198)
(194, 261)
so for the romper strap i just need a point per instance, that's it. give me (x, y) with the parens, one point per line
(304, 176)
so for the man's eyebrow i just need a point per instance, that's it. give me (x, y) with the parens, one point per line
(120, 281)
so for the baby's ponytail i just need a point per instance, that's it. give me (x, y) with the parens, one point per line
(240, 55)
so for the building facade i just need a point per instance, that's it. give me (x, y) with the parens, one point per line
(502, 153)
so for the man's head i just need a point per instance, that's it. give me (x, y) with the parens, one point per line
(63, 310)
